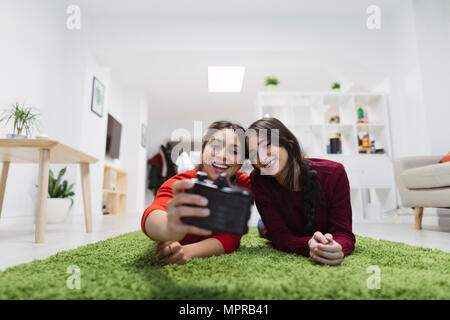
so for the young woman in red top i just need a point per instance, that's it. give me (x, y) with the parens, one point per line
(222, 151)
(304, 203)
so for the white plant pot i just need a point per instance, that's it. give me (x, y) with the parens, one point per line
(58, 209)
(15, 136)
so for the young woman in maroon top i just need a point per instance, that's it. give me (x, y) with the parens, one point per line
(303, 203)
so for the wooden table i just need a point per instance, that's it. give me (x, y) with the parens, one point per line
(44, 152)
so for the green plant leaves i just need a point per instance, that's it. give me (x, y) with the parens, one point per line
(56, 189)
(67, 191)
(270, 80)
(24, 118)
(58, 180)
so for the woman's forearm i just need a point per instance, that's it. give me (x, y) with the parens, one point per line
(205, 248)
(156, 227)
(291, 244)
(346, 240)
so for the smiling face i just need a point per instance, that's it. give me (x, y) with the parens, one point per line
(267, 157)
(222, 153)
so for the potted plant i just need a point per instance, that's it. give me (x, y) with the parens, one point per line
(59, 199)
(271, 82)
(336, 86)
(24, 120)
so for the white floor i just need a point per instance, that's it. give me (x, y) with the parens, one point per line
(17, 234)
(17, 244)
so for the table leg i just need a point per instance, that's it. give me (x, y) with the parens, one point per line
(41, 215)
(5, 170)
(86, 186)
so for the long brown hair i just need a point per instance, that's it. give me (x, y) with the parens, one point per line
(219, 125)
(308, 180)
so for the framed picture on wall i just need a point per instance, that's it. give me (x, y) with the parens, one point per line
(97, 97)
(143, 135)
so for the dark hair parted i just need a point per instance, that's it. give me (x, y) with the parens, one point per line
(308, 180)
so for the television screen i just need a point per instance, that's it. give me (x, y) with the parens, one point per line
(113, 137)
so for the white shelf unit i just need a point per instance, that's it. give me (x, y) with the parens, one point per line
(306, 114)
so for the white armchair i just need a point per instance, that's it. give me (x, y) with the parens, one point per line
(423, 182)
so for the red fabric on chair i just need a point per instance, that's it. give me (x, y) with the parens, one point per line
(445, 158)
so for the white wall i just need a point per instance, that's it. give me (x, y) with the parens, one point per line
(134, 156)
(409, 52)
(51, 68)
(406, 94)
(432, 21)
(31, 71)
(419, 97)
(329, 44)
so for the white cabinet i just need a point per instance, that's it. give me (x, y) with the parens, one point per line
(376, 171)
(307, 115)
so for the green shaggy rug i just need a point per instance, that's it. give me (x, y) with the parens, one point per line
(125, 267)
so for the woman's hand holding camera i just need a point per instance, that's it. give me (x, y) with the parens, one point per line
(185, 205)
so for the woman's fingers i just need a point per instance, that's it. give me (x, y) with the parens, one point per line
(179, 259)
(188, 198)
(175, 225)
(332, 247)
(163, 244)
(180, 185)
(186, 211)
(172, 258)
(175, 256)
(186, 228)
(320, 237)
(321, 260)
(178, 207)
(328, 255)
(169, 250)
(199, 231)
(164, 252)
(312, 243)
(325, 250)
(186, 205)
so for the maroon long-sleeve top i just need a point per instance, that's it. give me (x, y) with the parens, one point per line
(281, 210)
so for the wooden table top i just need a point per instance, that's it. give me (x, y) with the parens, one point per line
(27, 151)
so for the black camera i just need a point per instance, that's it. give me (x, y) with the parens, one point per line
(230, 206)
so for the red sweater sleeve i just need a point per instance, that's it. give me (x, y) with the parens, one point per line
(340, 211)
(230, 242)
(163, 196)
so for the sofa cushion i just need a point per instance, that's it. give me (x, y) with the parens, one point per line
(432, 176)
